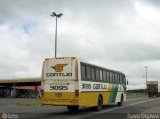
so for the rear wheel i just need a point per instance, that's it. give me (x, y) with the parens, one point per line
(72, 108)
(99, 105)
(121, 101)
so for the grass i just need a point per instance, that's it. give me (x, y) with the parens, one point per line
(135, 95)
(29, 102)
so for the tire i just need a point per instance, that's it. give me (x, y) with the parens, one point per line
(121, 101)
(99, 105)
(73, 108)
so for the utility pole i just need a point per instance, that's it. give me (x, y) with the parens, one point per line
(146, 77)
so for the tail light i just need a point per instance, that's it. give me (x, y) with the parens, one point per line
(77, 93)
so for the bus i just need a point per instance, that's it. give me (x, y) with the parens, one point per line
(74, 83)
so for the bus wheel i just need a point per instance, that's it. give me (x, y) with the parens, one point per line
(72, 108)
(121, 101)
(99, 104)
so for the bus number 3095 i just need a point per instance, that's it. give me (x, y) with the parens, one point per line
(86, 86)
(58, 87)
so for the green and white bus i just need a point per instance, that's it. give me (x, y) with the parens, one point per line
(73, 82)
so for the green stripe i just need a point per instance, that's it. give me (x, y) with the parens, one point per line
(113, 94)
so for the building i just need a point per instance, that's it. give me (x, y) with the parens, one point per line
(20, 88)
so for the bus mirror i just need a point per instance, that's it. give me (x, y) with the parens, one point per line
(127, 82)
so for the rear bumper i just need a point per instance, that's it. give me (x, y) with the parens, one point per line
(60, 102)
(61, 99)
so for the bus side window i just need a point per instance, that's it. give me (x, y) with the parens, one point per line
(115, 78)
(88, 72)
(104, 75)
(101, 76)
(123, 79)
(112, 81)
(107, 77)
(93, 73)
(83, 72)
(97, 74)
(125, 82)
(119, 79)
(110, 77)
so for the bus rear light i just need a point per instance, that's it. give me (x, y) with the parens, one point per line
(76, 93)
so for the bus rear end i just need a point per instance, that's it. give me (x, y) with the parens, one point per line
(60, 82)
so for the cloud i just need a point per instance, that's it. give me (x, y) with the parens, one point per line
(121, 35)
(155, 3)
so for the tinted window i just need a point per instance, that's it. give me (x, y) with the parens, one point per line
(83, 72)
(107, 76)
(88, 72)
(92, 73)
(115, 77)
(110, 76)
(118, 76)
(104, 75)
(101, 78)
(97, 74)
(121, 78)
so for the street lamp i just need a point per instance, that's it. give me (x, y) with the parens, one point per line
(57, 16)
(146, 77)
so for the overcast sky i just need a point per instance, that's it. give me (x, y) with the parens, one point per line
(119, 34)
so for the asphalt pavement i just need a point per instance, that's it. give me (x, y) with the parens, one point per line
(128, 110)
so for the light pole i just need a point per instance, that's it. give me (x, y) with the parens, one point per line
(146, 78)
(57, 16)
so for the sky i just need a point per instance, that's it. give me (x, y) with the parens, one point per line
(118, 34)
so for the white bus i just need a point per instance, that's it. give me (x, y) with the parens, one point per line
(73, 82)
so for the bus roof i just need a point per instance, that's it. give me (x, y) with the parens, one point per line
(84, 61)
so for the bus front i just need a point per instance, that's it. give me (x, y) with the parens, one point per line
(60, 82)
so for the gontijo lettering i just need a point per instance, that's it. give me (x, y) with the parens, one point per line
(59, 68)
(58, 74)
(94, 86)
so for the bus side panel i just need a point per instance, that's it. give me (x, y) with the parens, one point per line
(116, 92)
(90, 98)
(120, 92)
(113, 93)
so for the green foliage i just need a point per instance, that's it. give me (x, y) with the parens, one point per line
(135, 95)
(29, 102)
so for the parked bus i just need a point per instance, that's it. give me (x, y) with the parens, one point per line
(73, 82)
